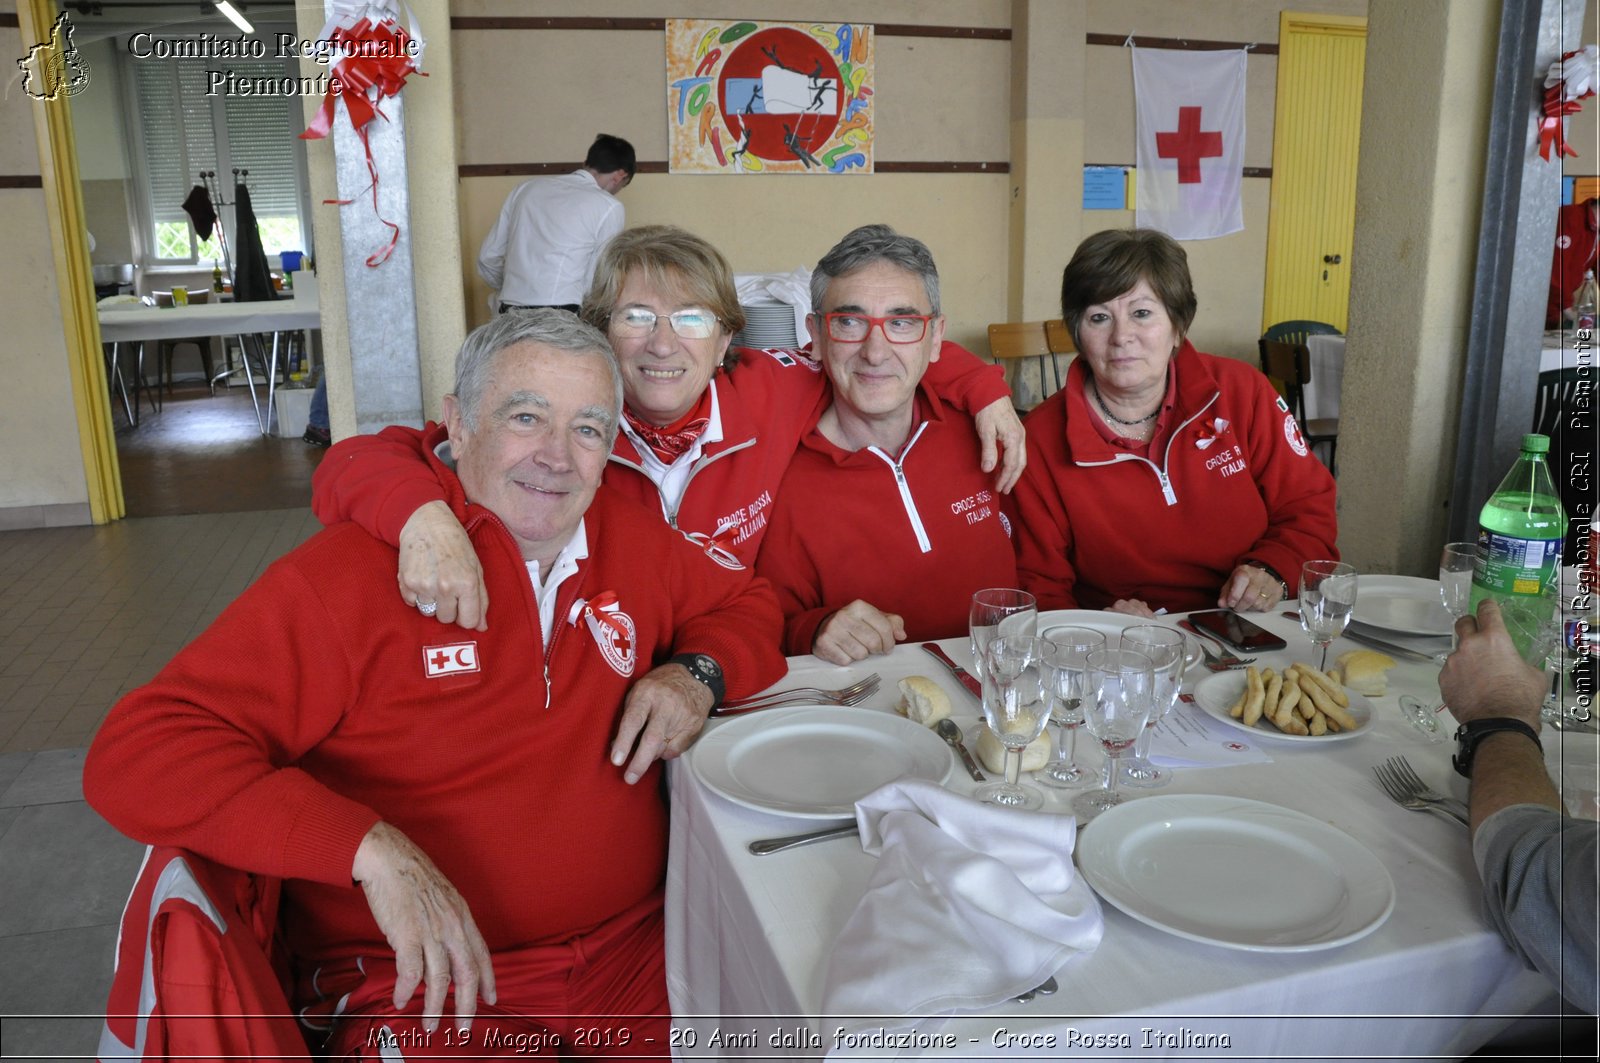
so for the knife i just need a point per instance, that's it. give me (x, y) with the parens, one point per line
(1388, 647)
(964, 677)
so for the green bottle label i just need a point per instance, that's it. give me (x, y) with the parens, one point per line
(1508, 565)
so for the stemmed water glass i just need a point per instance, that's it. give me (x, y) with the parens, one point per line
(1000, 611)
(1121, 693)
(1456, 562)
(1015, 711)
(1327, 598)
(1165, 648)
(1065, 674)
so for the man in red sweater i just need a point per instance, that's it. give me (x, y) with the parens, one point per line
(478, 813)
(884, 525)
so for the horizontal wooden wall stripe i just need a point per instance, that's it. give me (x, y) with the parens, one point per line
(21, 180)
(1117, 40)
(1248, 171)
(541, 169)
(493, 22)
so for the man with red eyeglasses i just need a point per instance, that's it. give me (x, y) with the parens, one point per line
(884, 525)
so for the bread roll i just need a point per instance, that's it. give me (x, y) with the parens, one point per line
(921, 700)
(992, 752)
(1366, 671)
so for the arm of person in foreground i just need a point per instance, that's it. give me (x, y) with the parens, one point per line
(1537, 865)
(384, 483)
(969, 383)
(202, 758)
(726, 615)
(811, 625)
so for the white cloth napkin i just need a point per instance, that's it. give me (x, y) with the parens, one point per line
(970, 905)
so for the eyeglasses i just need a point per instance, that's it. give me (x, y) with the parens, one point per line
(695, 323)
(896, 328)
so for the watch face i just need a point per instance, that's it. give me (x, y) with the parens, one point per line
(707, 664)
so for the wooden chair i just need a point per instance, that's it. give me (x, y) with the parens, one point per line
(1012, 340)
(1059, 337)
(1288, 365)
(167, 347)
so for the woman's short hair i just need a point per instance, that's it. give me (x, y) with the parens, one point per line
(671, 259)
(545, 326)
(875, 243)
(1110, 263)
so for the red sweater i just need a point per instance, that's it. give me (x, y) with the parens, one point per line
(1233, 481)
(276, 739)
(767, 402)
(915, 533)
(1575, 251)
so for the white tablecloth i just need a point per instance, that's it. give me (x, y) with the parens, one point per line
(119, 325)
(1327, 375)
(748, 937)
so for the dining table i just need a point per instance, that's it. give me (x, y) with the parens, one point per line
(136, 324)
(749, 937)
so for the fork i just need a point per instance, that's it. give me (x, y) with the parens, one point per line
(1217, 662)
(854, 694)
(1408, 791)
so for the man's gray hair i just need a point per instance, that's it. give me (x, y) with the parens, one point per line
(549, 328)
(875, 243)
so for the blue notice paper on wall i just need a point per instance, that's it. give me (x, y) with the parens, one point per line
(1105, 188)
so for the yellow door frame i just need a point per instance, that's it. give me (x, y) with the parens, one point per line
(63, 197)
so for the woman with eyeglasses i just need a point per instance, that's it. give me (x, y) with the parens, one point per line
(705, 437)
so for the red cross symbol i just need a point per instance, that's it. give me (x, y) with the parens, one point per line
(1189, 145)
(441, 659)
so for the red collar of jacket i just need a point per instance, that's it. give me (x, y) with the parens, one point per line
(926, 407)
(1197, 386)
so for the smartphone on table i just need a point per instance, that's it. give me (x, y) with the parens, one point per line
(1235, 630)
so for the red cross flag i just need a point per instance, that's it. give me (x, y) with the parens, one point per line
(1191, 141)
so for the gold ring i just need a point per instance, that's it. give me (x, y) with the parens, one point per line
(1262, 593)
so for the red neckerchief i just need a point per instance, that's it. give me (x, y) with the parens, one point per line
(670, 442)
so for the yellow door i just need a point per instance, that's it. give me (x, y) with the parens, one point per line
(1315, 145)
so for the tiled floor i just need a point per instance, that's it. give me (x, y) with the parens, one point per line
(93, 612)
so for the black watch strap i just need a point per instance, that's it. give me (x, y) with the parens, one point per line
(1468, 735)
(705, 669)
(1283, 584)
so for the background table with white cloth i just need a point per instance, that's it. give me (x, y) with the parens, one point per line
(748, 937)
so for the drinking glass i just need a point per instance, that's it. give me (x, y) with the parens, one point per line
(1327, 597)
(1456, 561)
(1165, 648)
(1121, 693)
(1000, 611)
(1016, 712)
(1065, 673)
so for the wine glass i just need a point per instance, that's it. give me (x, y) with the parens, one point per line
(1064, 674)
(1000, 611)
(1327, 598)
(1016, 712)
(1165, 648)
(1121, 693)
(1456, 562)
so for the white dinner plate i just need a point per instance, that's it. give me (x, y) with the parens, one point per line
(1406, 604)
(1111, 625)
(814, 761)
(1234, 872)
(1217, 693)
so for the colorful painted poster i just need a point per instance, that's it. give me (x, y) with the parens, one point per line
(769, 97)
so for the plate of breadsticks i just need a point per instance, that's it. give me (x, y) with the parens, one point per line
(1297, 704)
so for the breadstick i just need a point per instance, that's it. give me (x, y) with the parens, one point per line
(1287, 700)
(1318, 724)
(1326, 705)
(1236, 710)
(1333, 690)
(1269, 703)
(1255, 694)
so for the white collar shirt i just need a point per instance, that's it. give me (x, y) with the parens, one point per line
(562, 568)
(543, 247)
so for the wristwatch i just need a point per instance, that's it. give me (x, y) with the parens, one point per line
(1468, 735)
(705, 669)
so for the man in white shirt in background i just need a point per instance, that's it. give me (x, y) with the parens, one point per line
(543, 247)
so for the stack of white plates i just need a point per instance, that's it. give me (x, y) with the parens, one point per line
(768, 324)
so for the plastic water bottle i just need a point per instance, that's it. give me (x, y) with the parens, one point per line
(1520, 531)
(1584, 301)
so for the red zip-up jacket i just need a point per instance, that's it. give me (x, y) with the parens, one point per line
(1233, 481)
(913, 533)
(767, 402)
(319, 703)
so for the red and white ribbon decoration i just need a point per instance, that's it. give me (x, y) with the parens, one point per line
(600, 609)
(377, 56)
(1571, 78)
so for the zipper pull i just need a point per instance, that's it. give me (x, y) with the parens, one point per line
(1166, 488)
(547, 682)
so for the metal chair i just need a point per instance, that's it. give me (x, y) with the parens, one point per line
(1288, 366)
(165, 348)
(1012, 340)
(1297, 331)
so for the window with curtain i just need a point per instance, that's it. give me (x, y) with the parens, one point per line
(183, 131)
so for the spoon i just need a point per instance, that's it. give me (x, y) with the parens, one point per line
(952, 734)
